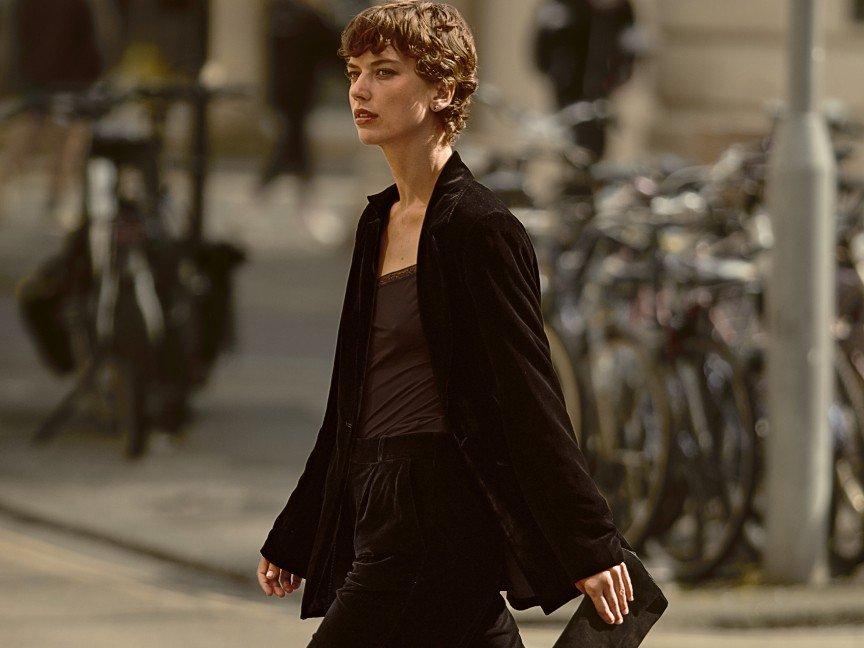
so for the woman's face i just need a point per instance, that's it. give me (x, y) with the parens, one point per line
(387, 86)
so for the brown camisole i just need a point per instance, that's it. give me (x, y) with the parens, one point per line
(399, 393)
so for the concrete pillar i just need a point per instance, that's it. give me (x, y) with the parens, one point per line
(503, 33)
(237, 56)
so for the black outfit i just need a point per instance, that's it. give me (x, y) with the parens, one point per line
(428, 556)
(478, 297)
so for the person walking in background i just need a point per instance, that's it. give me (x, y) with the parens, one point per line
(300, 42)
(54, 46)
(585, 49)
(446, 468)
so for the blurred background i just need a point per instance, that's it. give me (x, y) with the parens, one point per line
(180, 181)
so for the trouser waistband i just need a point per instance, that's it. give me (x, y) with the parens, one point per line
(402, 445)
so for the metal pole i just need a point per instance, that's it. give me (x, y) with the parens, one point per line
(200, 144)
(800, 303)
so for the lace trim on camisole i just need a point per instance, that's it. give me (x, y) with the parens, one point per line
(397, 274)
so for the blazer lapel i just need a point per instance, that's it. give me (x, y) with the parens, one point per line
(353, 362)
(435, 313)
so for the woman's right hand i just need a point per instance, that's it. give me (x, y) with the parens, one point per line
(274, 580)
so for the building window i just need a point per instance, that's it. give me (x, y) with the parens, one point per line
(858, 11)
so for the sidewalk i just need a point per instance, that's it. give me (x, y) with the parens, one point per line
(211, 511)
(57, 590)
(209, 502)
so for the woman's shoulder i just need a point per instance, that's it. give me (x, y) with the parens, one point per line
(366, 215)
(483, 215)
(480, 209)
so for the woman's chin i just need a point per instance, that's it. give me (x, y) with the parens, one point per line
(370, 139)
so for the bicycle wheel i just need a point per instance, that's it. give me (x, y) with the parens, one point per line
(846, 515)
(713, 473)
(626, 432)
(846, 420)
(122, 385)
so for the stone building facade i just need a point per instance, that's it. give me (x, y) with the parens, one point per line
(713, 68)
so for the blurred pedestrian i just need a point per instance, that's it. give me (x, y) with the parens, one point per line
(56, 46)
(583, 47)
(299, 41)
(446, 468)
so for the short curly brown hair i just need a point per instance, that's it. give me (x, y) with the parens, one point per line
(433, 33)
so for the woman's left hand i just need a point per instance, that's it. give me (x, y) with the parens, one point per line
(610, 590)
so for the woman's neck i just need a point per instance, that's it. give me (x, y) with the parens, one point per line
(415, 172)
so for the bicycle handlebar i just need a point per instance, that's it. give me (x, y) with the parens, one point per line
(97, 100)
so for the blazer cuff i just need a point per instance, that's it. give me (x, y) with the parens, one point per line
(598, 558)
(275, 552)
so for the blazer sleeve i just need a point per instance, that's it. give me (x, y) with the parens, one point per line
(502, 276)
(290, 541)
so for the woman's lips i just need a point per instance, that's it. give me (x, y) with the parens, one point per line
(364, 118)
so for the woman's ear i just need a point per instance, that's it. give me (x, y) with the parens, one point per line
(443, 95)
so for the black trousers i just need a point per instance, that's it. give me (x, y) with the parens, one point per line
(427, 555)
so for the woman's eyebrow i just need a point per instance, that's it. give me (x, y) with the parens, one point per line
(375, 62)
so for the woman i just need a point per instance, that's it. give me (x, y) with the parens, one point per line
(446, 468)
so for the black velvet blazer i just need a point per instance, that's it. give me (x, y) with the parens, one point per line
(479, 300)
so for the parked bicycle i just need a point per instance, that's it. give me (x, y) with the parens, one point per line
(653, 295)
(137, 313)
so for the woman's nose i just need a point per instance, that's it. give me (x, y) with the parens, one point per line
(359, 95)
(359, 89)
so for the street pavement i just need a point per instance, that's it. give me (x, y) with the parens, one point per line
(61, 591)
(202, 507)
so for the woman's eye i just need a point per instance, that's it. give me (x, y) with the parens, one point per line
(353, 74)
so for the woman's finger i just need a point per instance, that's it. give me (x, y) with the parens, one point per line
(628, 584)
(266, 587)
(278, 589)
(286, 580)
(602, 607)
(273, 575)
(620, 590)
(266, 572)
(612, 598)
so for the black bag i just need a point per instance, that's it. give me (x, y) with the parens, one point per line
(587, 630)
(217, 261)
(42, 298)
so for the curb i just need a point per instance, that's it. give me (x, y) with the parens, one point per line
(740, 608)
(202, 567)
